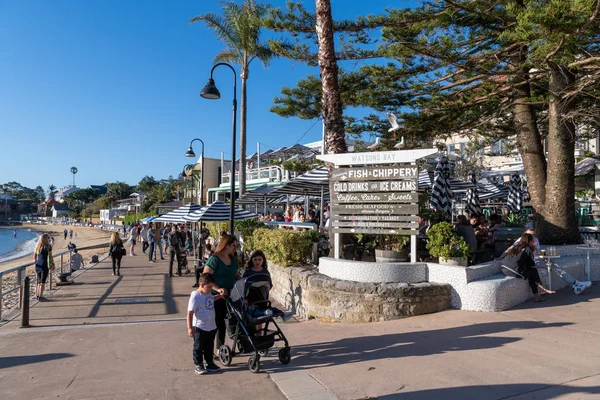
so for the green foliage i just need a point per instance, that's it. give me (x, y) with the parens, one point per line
(283, 246)
(130, 219)
(246, 228)
(391, 242)
(515, 220)
(215, 229)
(18, 191)
(296, 166)
(444, 242)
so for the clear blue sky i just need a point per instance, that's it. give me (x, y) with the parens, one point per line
(112, 87)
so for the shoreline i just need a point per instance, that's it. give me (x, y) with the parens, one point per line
(83, 236)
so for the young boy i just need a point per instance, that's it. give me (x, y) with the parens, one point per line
(201, 325)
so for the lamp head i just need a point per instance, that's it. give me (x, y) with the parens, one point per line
(210, 91)
(190, 152)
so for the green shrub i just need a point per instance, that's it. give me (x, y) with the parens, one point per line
(215, 229)
(246, 228)
(445, 242)
(283, 246)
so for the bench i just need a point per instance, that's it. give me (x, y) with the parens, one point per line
(484, 287)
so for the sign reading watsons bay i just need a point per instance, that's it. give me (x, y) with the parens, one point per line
(377, 199)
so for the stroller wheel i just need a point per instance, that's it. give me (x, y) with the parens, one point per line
(254, 364)
(263, 353)
(285, 356)
(225, 355)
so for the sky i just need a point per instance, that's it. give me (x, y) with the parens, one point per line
(112, 88)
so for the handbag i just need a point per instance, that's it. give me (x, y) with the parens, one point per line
(123, 251)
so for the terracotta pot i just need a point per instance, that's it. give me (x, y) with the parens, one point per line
(391, 256)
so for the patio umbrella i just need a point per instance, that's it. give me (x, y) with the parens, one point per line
(473, 207)
(148, 219)
(490, 190)
(218, 211)
(176, 216)
(515, 198)
(441, 194)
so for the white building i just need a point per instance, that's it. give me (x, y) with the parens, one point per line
(62, 192)
(60, 210)
(109, 215)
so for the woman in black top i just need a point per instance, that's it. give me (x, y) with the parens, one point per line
(523, 252)
(116, 251)
(44, 262)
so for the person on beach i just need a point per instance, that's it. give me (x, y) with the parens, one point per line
(201, 325)
(76, 261)
(71, 234)
(224, 266)
(541, 262)
(15, 233)
(144, 237)
(65, 232)
(116, 252)
(132, 239)
(44, 262)
(520, 260)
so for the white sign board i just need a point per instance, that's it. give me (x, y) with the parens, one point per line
(377, 157)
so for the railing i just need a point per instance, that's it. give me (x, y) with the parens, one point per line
(21, 271)
(271, 174)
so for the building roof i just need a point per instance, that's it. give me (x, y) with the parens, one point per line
(60, 207)
(101, 189)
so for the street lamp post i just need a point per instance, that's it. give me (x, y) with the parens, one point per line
(211, 92)
(190, 153)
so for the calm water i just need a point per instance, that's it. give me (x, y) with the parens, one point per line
(11, 247)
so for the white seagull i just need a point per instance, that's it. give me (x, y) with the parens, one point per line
(375, 144)
(400, 144)
(394, 122)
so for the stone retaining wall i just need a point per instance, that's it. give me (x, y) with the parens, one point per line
(309, 294)
(365, 271)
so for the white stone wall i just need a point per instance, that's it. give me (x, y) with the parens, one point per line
(377, 272)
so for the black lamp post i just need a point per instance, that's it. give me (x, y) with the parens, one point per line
(211, 92)
(190, 153)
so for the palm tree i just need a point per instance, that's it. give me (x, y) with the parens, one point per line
(239, 28)
(74, 171)
(335, 135)
(51, 191)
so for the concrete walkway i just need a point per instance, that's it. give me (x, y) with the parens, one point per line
(124, 338)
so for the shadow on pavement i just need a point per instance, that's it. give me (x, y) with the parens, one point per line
(494, 392)
(411, 344)
(563, 297)
(109, 290)
(9, 362)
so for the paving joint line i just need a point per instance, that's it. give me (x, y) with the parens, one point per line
(548, 387)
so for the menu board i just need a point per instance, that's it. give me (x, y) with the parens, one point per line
(375, 200)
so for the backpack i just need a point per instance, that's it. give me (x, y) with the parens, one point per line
(173, 239)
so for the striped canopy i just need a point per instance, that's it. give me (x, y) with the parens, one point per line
(473, 207)
(458, 186)
(489, 190)
(441, 194)
(515, 198)
(312, 183)
(218, 211)
(261, 193)
(177, 216)
(148, 219)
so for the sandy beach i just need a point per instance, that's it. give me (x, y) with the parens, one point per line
(82, 236)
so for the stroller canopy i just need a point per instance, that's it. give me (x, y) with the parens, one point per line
(260, 282)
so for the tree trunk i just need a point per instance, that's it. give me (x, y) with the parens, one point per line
(335, 134)
(242, 167)
(558, 224)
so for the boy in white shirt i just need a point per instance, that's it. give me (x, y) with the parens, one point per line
(201, 325)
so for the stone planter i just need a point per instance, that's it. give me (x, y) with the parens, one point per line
(391, 256)
(455, 261)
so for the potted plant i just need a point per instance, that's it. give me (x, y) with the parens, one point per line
(446, 244)
(391, 248)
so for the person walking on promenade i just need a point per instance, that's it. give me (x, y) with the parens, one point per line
(158, 235)
(201, 325)
(165, 237)
(208, 252)
(577, 286)
(175, 250)
(116, 251)
(224, 266)
(520, 260)
(44, 262)
(151, 242)
(132, 238)
(144, 238)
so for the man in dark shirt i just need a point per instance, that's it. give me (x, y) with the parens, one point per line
(174, 250)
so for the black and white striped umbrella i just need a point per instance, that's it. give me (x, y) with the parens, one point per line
(261, 193)
(459, 187)
(218, 211)
(441, 194)
(515, 198)
(473, 207)
(312, 183)
(490, 190)
(177, 216)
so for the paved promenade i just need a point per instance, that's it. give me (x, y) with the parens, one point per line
(124, 338)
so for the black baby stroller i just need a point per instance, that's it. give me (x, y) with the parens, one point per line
(249, 317)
